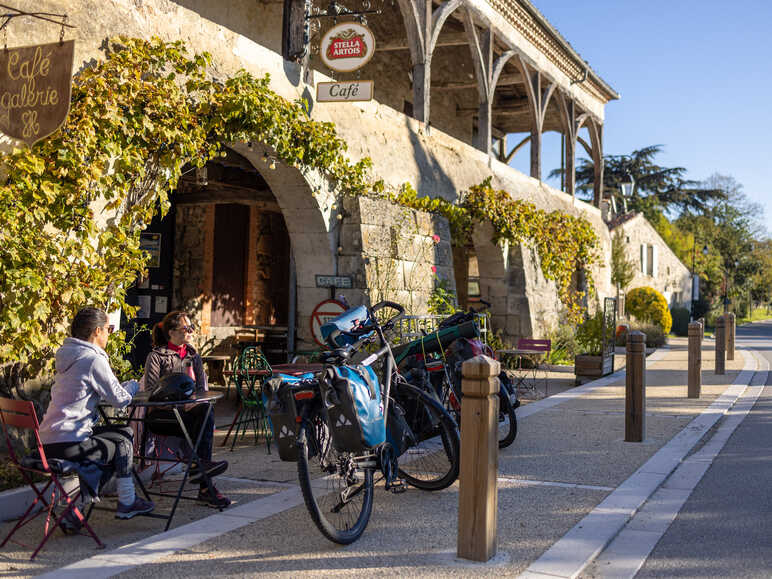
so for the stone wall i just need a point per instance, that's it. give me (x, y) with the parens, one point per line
(669, 276)
(394, 253)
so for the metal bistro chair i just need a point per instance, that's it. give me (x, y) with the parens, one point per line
(21, 415)
(249, 373)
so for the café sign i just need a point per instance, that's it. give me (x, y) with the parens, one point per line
(348, 46)
(35, 84)
(349, 91)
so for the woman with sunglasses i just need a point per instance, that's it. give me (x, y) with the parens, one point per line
(173, 352)
(84, 378)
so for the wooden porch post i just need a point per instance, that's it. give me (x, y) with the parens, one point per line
(539, 94)
(423, 27)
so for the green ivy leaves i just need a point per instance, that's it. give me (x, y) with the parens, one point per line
(565, 244)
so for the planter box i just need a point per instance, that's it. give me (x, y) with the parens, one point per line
(593, 366)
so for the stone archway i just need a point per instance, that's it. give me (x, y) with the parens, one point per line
(309, 211)
(522, 301)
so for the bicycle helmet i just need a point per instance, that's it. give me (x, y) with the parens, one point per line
(173, 387)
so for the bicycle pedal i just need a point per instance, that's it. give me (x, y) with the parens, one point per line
(397, 486)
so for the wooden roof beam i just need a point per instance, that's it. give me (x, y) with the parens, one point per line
(504, 80)
(449, 39)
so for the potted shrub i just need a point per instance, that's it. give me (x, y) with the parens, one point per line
(594, 361)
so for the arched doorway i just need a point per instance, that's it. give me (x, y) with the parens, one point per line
(239, 249)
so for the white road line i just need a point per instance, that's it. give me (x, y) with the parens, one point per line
(547, 483)
(629, 550)
(580, 545)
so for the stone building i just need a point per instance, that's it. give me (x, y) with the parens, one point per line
(655, 263)
(454, 81)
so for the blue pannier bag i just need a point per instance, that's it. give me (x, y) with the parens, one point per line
(348, 321)
(352, 397)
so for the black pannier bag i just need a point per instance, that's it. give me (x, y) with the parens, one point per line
(283, 414)
(398, 432)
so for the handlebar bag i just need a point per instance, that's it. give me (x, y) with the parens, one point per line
(352, 396)
(283, 413)
(334, 331)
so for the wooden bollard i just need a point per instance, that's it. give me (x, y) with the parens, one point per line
(478, 492)
(702, 333)
(635, 387)
(695, 360)
(730, 322)
(720, 345)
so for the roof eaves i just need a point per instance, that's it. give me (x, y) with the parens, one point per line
(539, 17)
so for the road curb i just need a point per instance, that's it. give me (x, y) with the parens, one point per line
(573, 552)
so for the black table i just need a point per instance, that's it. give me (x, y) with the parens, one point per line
(142, 401)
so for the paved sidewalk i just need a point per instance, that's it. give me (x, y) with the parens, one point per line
(567, 485)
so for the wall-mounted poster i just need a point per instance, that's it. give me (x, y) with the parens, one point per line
(143, 311)
(161, 304)
(151, 243)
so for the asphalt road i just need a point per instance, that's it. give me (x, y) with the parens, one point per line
(725, 527)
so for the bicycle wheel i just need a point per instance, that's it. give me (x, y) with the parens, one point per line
(447, 395)
(339, 501)
(507, 420)
(431, 461)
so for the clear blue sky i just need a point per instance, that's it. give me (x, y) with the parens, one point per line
(693, 75)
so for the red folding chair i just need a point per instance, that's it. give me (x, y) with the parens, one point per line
(21, 414)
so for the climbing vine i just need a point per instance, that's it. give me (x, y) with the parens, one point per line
(565, 244)
(73, 206)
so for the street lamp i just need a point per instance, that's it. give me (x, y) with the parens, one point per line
(628, 186)
(695, 278)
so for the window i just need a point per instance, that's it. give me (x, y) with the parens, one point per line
(473, 282)
(649, 259)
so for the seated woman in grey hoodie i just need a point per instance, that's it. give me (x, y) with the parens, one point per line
(83, 379)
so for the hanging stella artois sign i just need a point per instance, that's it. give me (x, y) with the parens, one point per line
(347, 47)
(35, 84)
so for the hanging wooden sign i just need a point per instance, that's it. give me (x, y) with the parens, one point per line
(347, 91)
(347, 47)
(35, 87)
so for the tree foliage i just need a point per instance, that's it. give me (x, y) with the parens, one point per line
(658, 189)
(732, 230)
(622, 269)
(648, 305)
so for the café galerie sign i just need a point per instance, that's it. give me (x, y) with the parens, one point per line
(35, 84)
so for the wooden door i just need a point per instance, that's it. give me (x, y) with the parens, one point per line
(231, 240)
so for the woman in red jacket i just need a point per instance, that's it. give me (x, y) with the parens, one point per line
(173, 352)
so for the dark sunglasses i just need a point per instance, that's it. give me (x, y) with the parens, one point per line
(110, 329)
(186, 328)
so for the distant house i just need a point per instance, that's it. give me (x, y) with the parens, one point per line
(656, 264)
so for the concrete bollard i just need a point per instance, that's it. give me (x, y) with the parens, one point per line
(730, 323)
(478, 492)
(695, 360)
(720, 345)
(635, 387)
